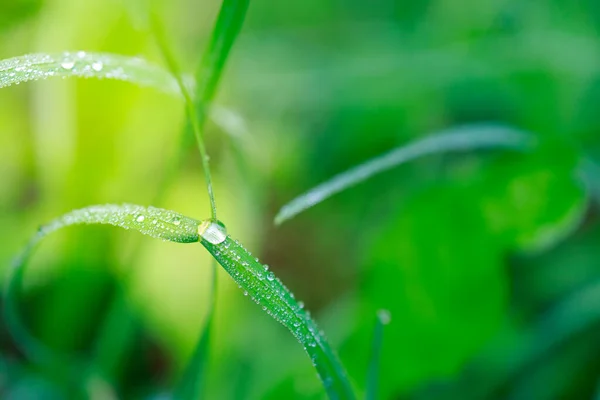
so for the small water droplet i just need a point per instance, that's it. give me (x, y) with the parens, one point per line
(97, 66)
(270, 276)
(384, 316)
(301, 304)
(67, 64)
(140, 218)
(177, 221)
(245, 293)
(81, 54)
(266, 267)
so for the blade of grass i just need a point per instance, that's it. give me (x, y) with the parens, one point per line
(31, 67)
(81, 64)
(154, 222)
(383, 318)
(192, 384)
(469, 137)
(208, 74)
(268, 291)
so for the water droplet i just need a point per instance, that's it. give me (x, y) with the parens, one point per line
(81, 54)
(270, 276)
(384, 316)
(140, 218)
(177, 221)
(97, 66)
(266, 267)
(245, 293)
(300, 304)
(212, 231)
(67, 64)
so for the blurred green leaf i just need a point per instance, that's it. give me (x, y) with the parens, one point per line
(454, 139)
(14, 12)
(533, 202)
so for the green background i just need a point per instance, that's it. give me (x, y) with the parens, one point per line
(487, 260)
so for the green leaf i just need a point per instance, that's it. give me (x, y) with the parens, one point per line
(469, 137)
(268, 291)
(31, 67)
(383, 318)
(445, 290)
(154, 222)
(534, 202)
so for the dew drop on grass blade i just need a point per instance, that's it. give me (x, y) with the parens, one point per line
(468, 137)
(276, 299)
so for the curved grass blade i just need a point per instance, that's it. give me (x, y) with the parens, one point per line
(383, 318)
(469, 137)
(268, 291)
(154, 222)
(31, 67)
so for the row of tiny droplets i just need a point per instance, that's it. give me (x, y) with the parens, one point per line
(295, 318)
(154, 222)
(230, 252)
(40, 66)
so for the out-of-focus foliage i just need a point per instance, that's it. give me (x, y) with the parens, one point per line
(483, 258)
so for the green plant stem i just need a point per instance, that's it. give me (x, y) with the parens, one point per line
(383, 318)
(189, 106)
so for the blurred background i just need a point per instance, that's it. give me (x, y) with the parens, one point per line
(487, 260)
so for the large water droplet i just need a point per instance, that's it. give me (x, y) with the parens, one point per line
(67, 64)
(384, 316)
(212, 231)
(140, 218)
(97, 66)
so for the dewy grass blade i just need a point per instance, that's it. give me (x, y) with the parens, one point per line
(383, 318)
(154, 222)
(81, 64)
(31, 67)
(469, 137)
(268, 291)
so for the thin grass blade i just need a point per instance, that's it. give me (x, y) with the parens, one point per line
(193, 382)
(469, 137)
(383, 318)
(154, 222)
(276, 299)
(208, 74)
